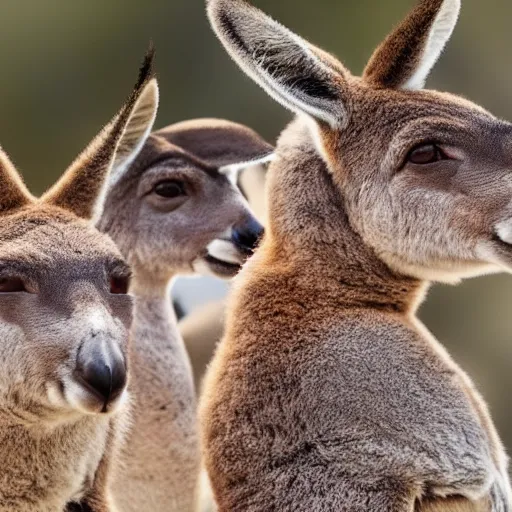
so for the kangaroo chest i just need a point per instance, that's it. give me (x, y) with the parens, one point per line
(42, 473)
(348, 394)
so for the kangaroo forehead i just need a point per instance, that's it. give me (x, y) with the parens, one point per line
(53, 235)
(383, 114)
(403, 103)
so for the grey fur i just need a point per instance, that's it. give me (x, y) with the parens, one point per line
(58, 438)
(160, 467)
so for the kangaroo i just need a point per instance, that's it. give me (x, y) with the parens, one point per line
(202, 328)
(175, 210)
(326, 392)
(64, 323)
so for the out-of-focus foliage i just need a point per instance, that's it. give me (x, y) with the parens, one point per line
(68, 65)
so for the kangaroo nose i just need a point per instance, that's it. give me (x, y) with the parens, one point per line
(102, 370)
(247, 236)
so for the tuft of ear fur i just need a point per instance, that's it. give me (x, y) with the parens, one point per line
(83, 187)
(14, 193)
(288, 68)
(406, 57)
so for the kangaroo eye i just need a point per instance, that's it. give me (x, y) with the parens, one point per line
(12, 285)
(170, 189)
(426, 154)
(119, 285)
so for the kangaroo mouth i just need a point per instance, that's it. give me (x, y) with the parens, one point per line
(75, 394)
(222, 258)
(222, 269)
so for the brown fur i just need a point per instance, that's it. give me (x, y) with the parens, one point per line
(398, 56)
(14, 192)
(326, 392)
(58, 440)
(161, 239)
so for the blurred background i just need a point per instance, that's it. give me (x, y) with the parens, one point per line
(69, 65)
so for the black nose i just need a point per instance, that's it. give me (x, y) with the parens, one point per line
(247, 236)
(102, 370)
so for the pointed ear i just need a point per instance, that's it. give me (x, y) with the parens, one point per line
(293, 72)
(13, 192)
(219, 143)
(136, 132)
(83, 187)
(405, 59)
(235, 168)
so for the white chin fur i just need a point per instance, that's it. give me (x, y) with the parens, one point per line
(81, 400)
(504, 231)
(225, 251)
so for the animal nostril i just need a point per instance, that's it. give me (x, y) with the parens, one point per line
(103, 374)
(98, 377)
(248, 236)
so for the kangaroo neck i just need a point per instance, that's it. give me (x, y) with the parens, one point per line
(310, 232)
(157, 346)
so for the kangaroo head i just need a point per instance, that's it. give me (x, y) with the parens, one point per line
(178, 209)
(425, 178)
(64, 309)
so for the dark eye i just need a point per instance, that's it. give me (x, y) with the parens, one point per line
(170, 189)
(426, 154)
(119, 285)
(11, 285)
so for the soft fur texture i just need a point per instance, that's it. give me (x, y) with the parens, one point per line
(162, 238)
(407, 56)
(202, 328)
(14, 192)
(326, 392)
(58, 441)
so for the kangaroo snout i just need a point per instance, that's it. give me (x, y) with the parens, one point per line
(226, 255)
(101, 369)
(247, 236)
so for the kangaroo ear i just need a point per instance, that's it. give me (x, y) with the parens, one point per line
(83, 187)
(222, 144)
(13, 193)
(136, 132)
(405, 59)
(294, 73)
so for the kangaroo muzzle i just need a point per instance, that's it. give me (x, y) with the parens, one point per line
(226, 255)
(101, 369)
(247, 236)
